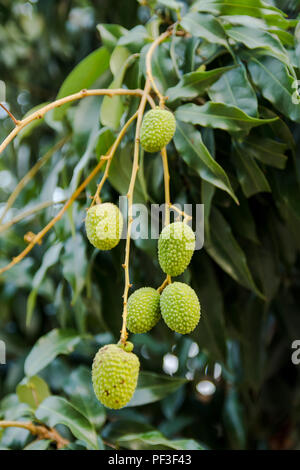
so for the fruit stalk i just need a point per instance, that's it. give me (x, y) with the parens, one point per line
(149, 83)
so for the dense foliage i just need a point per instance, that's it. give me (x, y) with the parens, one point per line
(232, 84)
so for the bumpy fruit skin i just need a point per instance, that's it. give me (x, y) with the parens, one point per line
(176, 246)
(158, 128)
(143, 310)
(104, 225)
(180, 307)
(114, 374)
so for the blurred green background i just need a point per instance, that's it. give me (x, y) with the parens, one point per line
(242, 390)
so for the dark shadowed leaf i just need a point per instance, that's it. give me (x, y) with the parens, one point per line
(234, 417)
(234, 88)
(156, 440)
(250, 175)
(210, 333)
(191, 148)
(276, 85)
(226, 251)
(266, 150)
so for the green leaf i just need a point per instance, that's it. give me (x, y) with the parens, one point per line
(156, 440)
(204, 26)
(82, 76)
(242, 221)
(171, 4)
(82, 396)
(136, 38)
(234, 418)
(106, 139)
(252, 8)
(249, 174)
(189, 144)
(75, 264)
(211, 333)
(42, 444)
(254, 38)
(276, 85)
(120, 173)
(207, 194)
(227, 253)
(57, 410)
(153, 387)
(48, 347)
(194, 84)
(33, 390)
(50, 258)
(251, 328)
(266, 150)
(110, 34)
(219, 115)
(112, 108)
(234, 88)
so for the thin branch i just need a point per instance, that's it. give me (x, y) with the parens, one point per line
(150, 52)
(109, 158)
(29, 212)
(167, 185)
(31, 173)
(52, 222)
(135, 167)
(37, 238)
(149, 82)
(41, 431)
(67, 99)
(16, 121)
(185, 216)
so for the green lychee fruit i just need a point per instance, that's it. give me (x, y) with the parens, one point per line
(143, 310)
(180, 307)
(176, 246)
(158, 128)
(115, 374)
(104, 225)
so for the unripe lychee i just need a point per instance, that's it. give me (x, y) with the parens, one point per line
(158, 128)
(176, 246)
(143, 310)
(104, 225)
(180, 307)
(114, 374)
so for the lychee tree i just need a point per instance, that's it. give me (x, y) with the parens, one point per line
(200, 99)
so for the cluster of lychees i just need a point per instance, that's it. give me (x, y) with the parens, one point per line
(116, 367)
